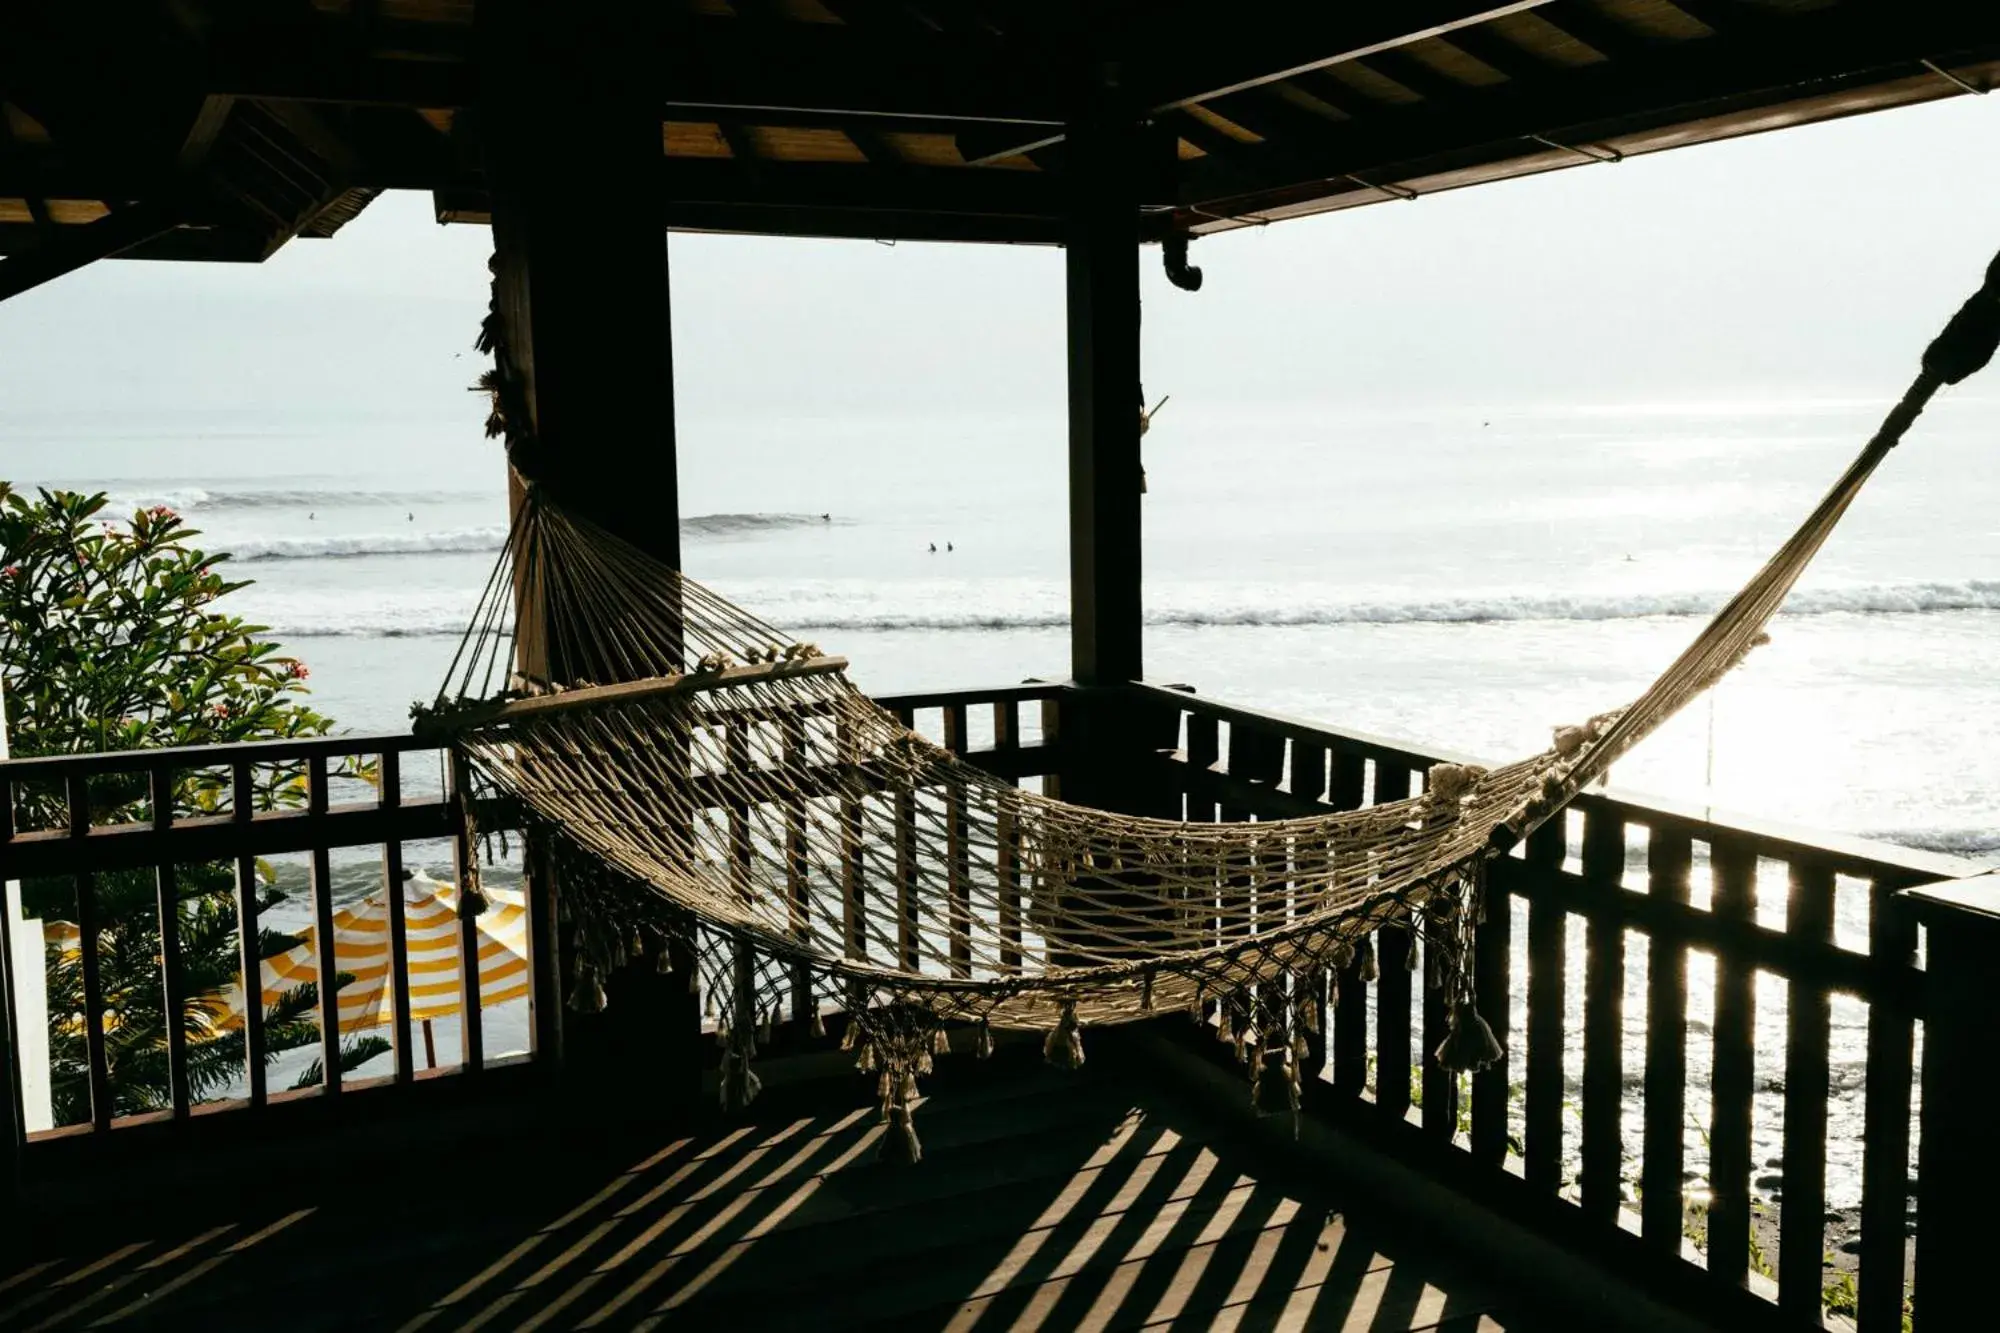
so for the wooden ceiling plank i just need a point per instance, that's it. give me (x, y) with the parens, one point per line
(1270, 42)
(1418, 77)
(1597, 30)
(1593, 102)
(1489, 48)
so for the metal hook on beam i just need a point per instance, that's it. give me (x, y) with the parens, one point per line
(1963, 84)
(1592, 152)
(1402, 192)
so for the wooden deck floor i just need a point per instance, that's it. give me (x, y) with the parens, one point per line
(1046, 1200)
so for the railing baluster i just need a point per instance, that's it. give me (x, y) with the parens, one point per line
(1809, 1012)
(1007, 871)
(323, 942)
(1603, 1019)
(1548, 984)
(1007, 725)
(1007, 838)
(1493, 966)
(1349, 780)
(1307, 779)
(853, 884)
(471, 1012)
(1440, 1084)
(390, 776)
(1204, 749)
(160, 781)
(908, 897)
(958, 852)
(1735, 1066)
(249, 934)
(742, 855)
(1350, 1031)
(1885, 1154)
(1393, 1063)
(798, 868)
(1669, 860)
(88, 929)
(13, 1120)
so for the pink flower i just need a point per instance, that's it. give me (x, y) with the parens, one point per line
(161, 511)
(297, 671)
(222, 710)
(12, 571)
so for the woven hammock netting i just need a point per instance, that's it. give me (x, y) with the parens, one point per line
(750, 808)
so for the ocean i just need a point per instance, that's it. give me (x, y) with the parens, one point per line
(1466, 578)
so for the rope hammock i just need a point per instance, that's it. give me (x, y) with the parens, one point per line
(714, 788)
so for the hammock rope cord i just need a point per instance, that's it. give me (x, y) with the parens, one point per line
(804, 846)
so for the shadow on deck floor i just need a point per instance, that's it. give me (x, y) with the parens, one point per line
(1045, 1200)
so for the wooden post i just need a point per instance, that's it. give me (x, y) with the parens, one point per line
(1958, 1173)
(571, 129)
(1102, 263)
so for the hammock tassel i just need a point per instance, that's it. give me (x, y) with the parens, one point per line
(982, 1041)
(941, 1042)
(1063, 1047)
(1146, 991)
(899, 1142)
(740, 1084)
(588, 995)
(818, 1024)
(1470, 1045)
(1364, 954)
(1412, 957)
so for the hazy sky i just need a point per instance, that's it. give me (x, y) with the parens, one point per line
(1809, 262)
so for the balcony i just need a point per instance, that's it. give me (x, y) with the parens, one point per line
(1675, 992)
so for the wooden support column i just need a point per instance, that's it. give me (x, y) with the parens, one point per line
(1102, 263)
(571, 130)
(1103, 730)
(570, 125)
(1958, 1173)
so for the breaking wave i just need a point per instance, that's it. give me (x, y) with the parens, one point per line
(335, 547)
(196, 499)
(338, 547)
(1892, 599)
(1970, 842)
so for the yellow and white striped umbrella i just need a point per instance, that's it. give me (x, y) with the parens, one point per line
(361, 947)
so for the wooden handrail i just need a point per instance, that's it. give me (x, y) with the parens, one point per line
(1846, 853)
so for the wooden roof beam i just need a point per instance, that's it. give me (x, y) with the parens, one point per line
(67, 249)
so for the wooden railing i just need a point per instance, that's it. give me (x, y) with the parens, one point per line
(1588, 1131)
(131, 811)
(1575, 1150)
(75, 819)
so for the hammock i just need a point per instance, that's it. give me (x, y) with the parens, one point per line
(713, 786)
